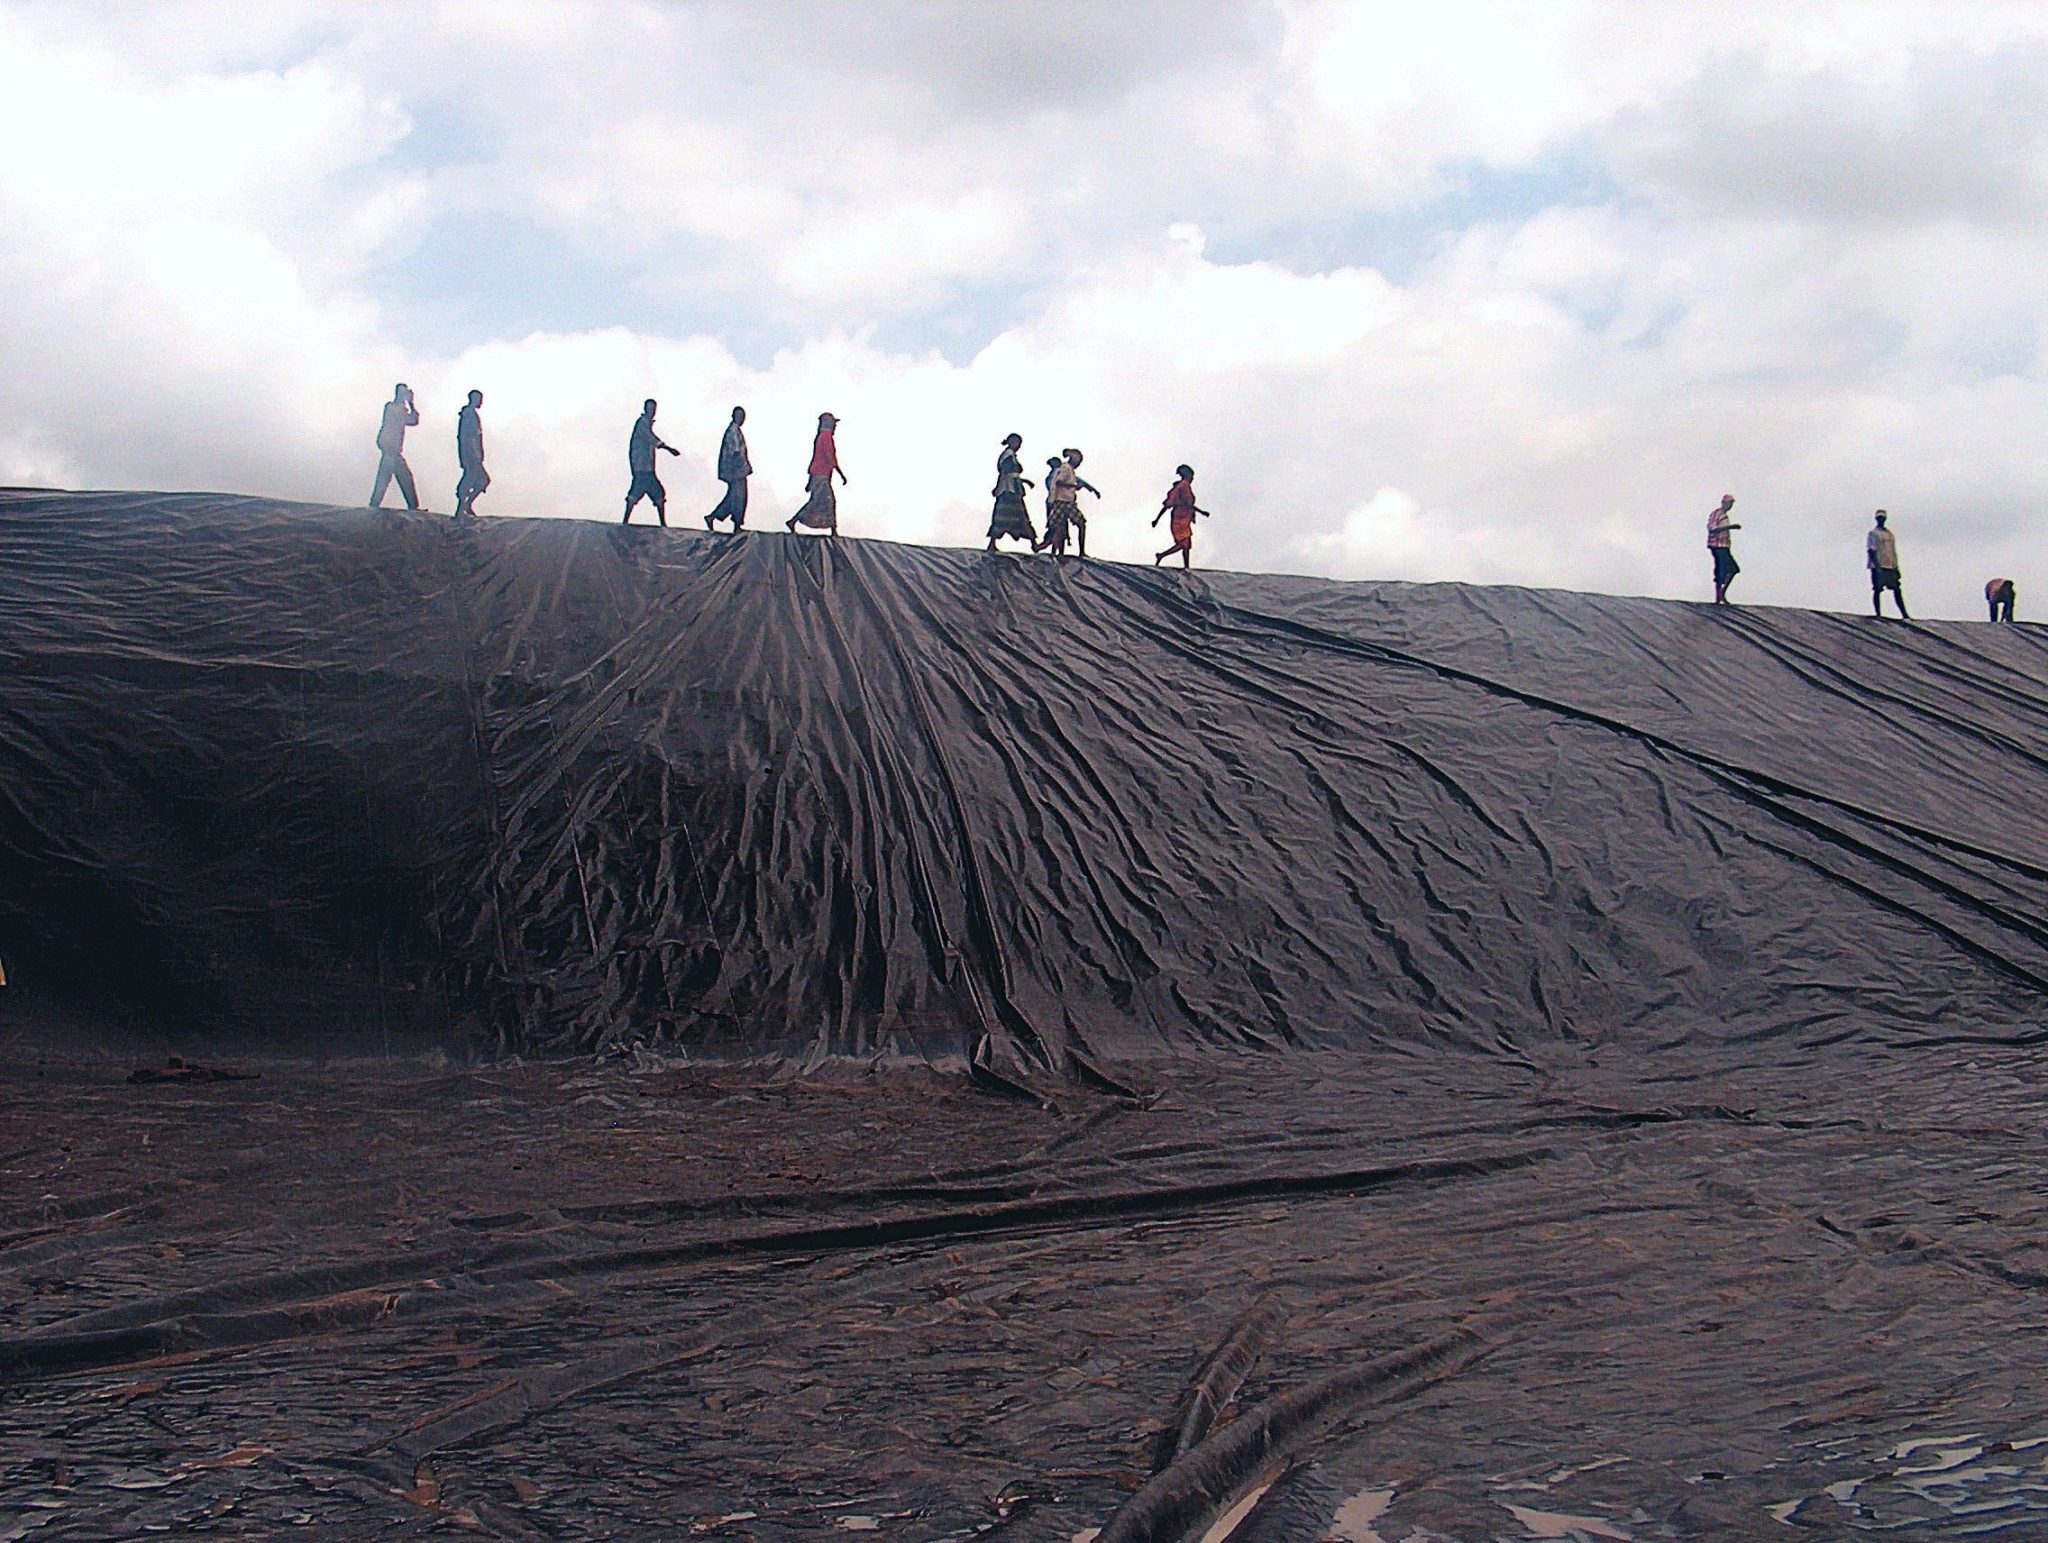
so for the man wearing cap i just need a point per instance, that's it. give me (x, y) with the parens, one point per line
(1720, 543)
(1881, 556)
(399, 415)
(821, 508)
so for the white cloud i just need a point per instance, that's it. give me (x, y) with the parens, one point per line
(1813, 278)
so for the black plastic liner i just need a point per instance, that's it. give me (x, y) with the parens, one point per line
(328, 775)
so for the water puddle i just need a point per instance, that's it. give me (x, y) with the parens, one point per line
(1557, 1524)
(1354, 1520)
(1967, 1475)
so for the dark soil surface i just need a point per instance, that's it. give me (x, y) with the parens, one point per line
(639, 1300)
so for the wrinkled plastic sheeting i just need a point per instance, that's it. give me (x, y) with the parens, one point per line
(557, 785)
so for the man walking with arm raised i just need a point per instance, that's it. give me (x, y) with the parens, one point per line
(399, 415)
(640, 448)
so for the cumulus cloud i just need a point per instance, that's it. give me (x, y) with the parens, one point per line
(1799, 263)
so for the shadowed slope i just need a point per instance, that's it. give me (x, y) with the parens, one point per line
(323, 773)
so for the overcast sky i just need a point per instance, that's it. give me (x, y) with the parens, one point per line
(1491, 292)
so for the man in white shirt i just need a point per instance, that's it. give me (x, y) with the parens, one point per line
(1881, 556)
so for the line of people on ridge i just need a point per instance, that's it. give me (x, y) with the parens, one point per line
(1010, 518)
(1880, 558)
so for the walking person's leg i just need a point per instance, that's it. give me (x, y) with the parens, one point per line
(407, 488)
(383, 481)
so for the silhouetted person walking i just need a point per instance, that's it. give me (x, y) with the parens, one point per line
(2000, 594)
(1721, 543)
(1063, 489)
(469, 450)
(1052, 470)
(821, 509)
(399, 415)
(1180, 503)
(733, 470)
(1010, 516)
(1881, 556)
(640, 448)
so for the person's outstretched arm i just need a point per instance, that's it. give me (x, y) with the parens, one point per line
(1088, 487)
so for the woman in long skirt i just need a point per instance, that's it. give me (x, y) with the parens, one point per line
(821, 508)
(1010, 517)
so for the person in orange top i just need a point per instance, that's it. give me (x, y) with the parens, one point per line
(821, 509)
(1180, 503)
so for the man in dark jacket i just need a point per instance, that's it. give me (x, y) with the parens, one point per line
(399, 415)
(733, 470)
(640, 448)
(469, 450)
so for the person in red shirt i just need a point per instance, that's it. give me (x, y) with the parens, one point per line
(1180, 503)
(821, 509)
